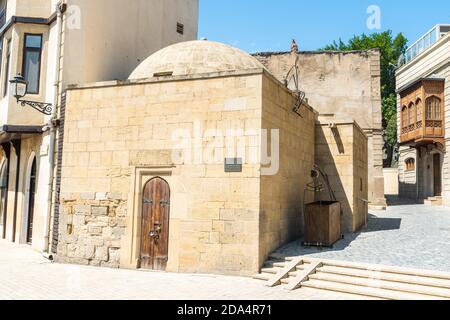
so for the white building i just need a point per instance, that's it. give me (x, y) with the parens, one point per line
(55, 44)
(423, 87)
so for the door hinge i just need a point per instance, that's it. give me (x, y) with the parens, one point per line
(147, 201)
(164, 203)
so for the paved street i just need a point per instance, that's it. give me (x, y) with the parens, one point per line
(409, 236)
(24, 274)
(414, 236)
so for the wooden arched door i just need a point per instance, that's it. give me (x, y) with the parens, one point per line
(31, 201)
(437, 175)
(155, 225)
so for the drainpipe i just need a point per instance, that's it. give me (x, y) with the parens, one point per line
(17, 144)
(60, 9)
(417, 172)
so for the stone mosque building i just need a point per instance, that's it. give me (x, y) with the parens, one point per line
(144, 180)
(173, 154)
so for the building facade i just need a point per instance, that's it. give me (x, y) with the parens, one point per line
(423, 87)
(53, 44)
(146, 176)
(192, 158)
(340, 85)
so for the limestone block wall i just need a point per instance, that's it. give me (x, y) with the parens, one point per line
(391, 181)
(282, 194)
(346, 84)
(117, 137)
(342, 153)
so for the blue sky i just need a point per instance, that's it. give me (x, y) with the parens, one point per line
(269, 25)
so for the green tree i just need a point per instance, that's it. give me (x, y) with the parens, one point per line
(390, 49)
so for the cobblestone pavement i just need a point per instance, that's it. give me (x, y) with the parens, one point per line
(406, 235)
(24, 274)
(414, 236)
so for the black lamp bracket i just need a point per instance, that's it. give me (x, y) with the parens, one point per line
(42, 107)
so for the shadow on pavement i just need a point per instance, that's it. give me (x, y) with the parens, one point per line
(375, 224)
(397, 201)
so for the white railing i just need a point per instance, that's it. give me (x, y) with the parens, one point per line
(425, 42)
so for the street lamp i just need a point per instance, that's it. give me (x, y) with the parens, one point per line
(19, 90)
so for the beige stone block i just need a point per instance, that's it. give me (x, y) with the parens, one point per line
(120, 158)
(95, 159)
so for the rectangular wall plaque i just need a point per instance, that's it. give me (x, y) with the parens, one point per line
(233, 164)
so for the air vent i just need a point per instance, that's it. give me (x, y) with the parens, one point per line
(180, 28)
(163, 74)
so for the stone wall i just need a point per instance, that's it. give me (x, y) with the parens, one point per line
(94, 225)
(341, 152)
(117, 137)
(344, 84)
(391, 181)
(282, 194)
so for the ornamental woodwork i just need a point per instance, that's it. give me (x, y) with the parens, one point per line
(422, 113)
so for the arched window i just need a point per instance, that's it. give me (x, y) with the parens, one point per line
(412, 114)
(4, 175)
(433, 106)
(419, 109)
(410, 164)
(405, 120)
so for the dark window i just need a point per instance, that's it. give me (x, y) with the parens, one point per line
(180, 28)
(405, 119)
(8, 61)
(410, 164)
(412, 114)
(433, 108)
(31, 69)
(419, 110)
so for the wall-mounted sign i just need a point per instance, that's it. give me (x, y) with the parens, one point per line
(233, 164)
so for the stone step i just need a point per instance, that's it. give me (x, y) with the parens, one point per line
(274, 264)
(367, 274)
(439, 293)
(285, 281)
(280, 257)
(434, 201)
(364, 291)
(385, 269)
(429, 202)
(302, 266)
(263, 277)
(270, 270)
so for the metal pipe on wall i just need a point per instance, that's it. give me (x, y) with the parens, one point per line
(60, 8)
(17, 144)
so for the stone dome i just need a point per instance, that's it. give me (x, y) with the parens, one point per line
(195, 57)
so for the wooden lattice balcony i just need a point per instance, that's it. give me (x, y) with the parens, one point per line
(422, 112)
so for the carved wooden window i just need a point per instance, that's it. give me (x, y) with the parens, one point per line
(419, 109)
(412, 114)
(410, 164)
(405, 120)
(433, 106)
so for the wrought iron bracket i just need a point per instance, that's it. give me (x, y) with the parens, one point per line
(42, 107)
